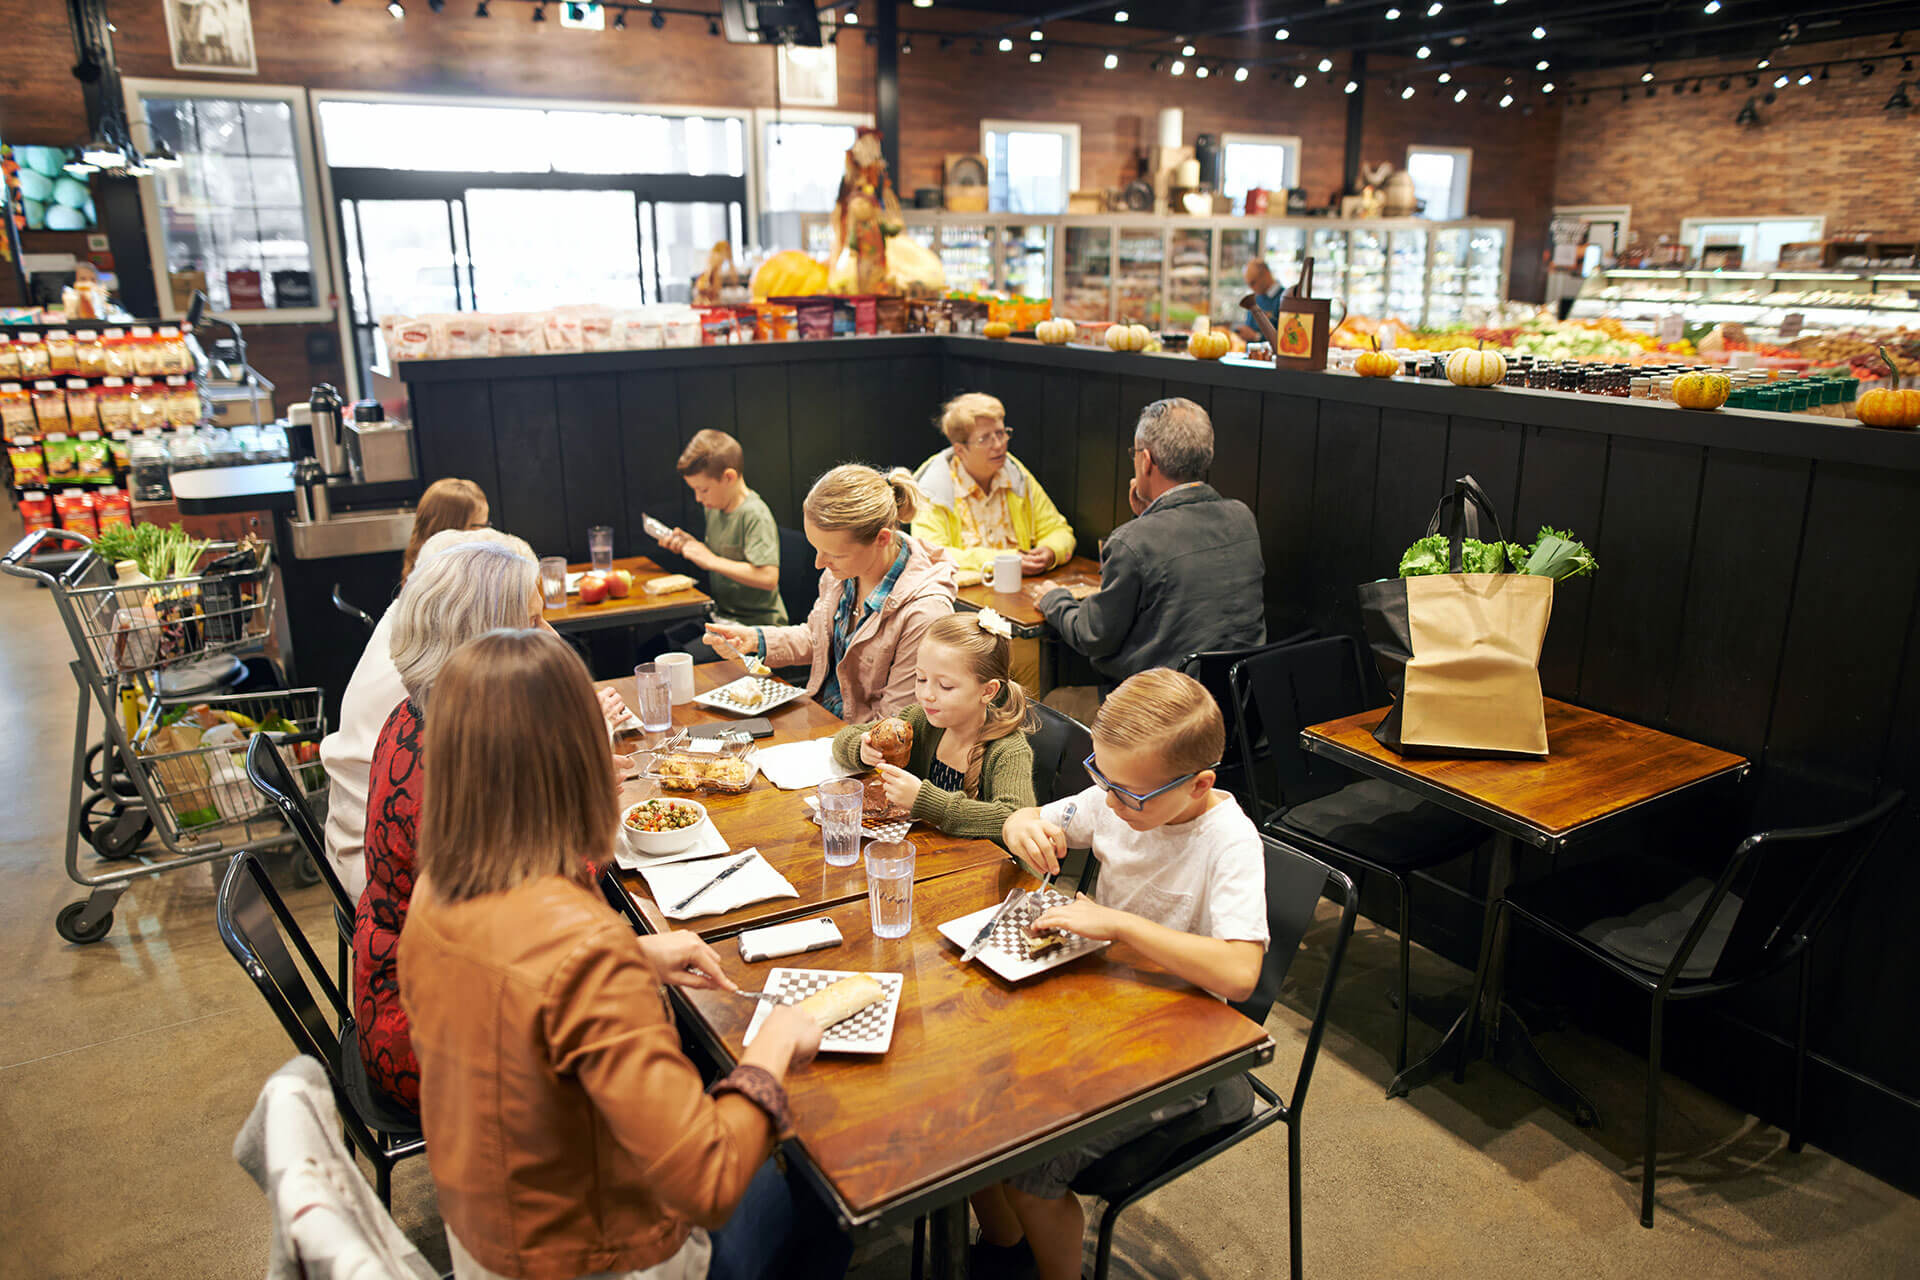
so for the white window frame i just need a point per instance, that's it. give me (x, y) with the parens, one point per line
(1689, 225)
(1291, 141)
(764, 116)
(1464, 156)
(1066, 129)
(322, 256)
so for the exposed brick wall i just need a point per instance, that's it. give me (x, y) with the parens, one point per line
(1825, 148)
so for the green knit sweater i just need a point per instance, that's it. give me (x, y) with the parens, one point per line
(1006, 778)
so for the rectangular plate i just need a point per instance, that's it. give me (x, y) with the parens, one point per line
(1005, 951)
(869, 1031)
(774, 693)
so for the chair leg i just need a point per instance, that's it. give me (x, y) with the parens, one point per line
(1103, 1250)
(1796, 1134)
(1293, 1197)
(383, 1183)
(1651, 1137)
(919, 1247)
(1404, 891)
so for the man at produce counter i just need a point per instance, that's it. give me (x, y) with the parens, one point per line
(1184, 575)
(1266, 296)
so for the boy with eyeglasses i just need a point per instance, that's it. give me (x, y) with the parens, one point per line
(1182, 881)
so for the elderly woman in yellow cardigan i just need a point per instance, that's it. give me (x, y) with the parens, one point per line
(981, 500)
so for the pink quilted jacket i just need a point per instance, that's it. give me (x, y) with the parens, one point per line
(876, 674)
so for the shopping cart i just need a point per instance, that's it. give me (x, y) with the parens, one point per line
(169, 765)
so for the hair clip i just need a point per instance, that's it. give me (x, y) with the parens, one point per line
(989, 621)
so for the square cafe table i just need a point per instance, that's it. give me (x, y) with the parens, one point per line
(1596, 770)
(983, 1078)
(637, 608)
(1028, 622)
(777, 823)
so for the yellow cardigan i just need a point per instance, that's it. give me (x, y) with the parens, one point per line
(1036, 521)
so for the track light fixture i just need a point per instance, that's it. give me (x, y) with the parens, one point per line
(1696, 86)
(1112, 61)
(1867, 69)
(1433, 10)
(1035, 34)
(1178, 68)
(1806, 77)
(1406, 92)
(1393, 15)
(1539, 33)
(906, 45)
(1326, 65)
(397, 9)
(1459, 95)
(1770, 97)
(659, 21)
(1899, 100)
(1446, 77)
(1713, 7)
(1423, 52)
(1753, 81)
(480, 10)
(1034, 56)
(1780, 82)
(1748, 117)
(1352, 86)
(1281, 33)
(540, 13)
(1300, 82)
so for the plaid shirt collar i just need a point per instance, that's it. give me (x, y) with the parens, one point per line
(844, 623)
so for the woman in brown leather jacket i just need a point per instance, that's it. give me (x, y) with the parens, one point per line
(569, 1134)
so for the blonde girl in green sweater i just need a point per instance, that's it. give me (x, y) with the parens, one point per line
(970, 766)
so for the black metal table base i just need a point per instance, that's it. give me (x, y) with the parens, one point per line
(1509, 1046)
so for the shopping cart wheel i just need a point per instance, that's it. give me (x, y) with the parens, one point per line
(305, 874)
(69, 924)
(112, 778)
(114, 828)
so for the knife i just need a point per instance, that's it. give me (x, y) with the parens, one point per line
(986, 930)
(725, 871)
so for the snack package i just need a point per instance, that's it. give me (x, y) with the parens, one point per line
(49, 406)
(596, 330)
(83, 405)
(413, 338)
(562, 331)
(29, 461)
(143, 352)
(112, 508)
(518, 335)
(93, 458)
(75, 512)
(63, 459)
(115, 400)
(183, 403)
(89, 354)
(61, 358)
(9, 357)
(636, 331)
(716, 326)
(468, 335)
(149, 405)
(120, 445)
(773, 322)
(116, 357)
(16, 412)
(36, 510)
(174, 356)
(31, 355)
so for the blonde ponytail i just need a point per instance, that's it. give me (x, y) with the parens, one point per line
(860, 501)
(988, 657)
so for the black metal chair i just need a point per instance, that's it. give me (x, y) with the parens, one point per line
(256, 926)
(1295, 884)
(1061, 745)
(1672, 934)
(1369, 824)
(799, 576)
(267, 770)
(352, 610)
(1213, 668)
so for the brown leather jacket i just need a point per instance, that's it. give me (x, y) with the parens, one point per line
(568, 1132)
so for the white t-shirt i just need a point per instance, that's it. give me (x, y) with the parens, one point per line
(1205, 877)
(372, 694)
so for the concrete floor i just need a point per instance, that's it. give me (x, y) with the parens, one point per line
(127, 1066)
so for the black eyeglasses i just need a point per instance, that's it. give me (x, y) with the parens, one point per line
(1133, 799)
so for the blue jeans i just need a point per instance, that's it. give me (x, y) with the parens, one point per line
(779, 1229)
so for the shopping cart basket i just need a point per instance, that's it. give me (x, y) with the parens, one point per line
(166, 766)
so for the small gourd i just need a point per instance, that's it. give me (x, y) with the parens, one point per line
(1891, 405)
(1476, 368)
(1056, 332)
(1128, 337)
(996, 329)
(1375, 363)
(1207, 342)
(1701, 390)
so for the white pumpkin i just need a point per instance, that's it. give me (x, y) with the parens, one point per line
(1476, 368)
(1055, 332)
(1128, 337)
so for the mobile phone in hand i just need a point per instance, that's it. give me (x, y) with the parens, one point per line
(655, 529)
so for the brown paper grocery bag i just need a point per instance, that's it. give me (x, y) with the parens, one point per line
(1473, 680)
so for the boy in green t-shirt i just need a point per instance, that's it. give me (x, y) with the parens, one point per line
(742, 547)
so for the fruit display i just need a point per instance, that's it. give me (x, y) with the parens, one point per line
(1891, 405)
(1861, 349)
(1375, 363)
(1477, 367)
(1055, 332)
(1701, 390)
(1128, 337)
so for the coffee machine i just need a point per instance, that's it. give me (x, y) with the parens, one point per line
(328, 413)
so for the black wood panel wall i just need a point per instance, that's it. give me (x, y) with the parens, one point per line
(1754, 591)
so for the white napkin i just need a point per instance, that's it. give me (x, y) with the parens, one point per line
(705, 845)
(755, 882)
(795, 766)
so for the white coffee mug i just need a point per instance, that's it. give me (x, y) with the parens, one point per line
(679, 668)
(1006, 572)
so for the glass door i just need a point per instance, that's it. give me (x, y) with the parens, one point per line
(1285, 247)
(1486, 251)
(1447, 277)
(1086, 276)
(1141, 254)
(677, 238)
(1189, 276)
(1407, 275)
(966, 251)
(1238, 247)
(403, 258)
(1367, 272)
(534, 249)
(1026, 259)
(1330, 264)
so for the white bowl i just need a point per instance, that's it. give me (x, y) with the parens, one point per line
(654, 843)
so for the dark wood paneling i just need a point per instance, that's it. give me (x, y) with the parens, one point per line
(592, 461)
(1565, 476)
(760, 425)
(453, 434)
(1345, 465)
(650, 412)
(1022, 391)
(1412, 477)
(1093, 510)
(1289, 435)
(1236, 444)
(1054, 457)
(526, 441)
(1490, 453)
(906, 422)
(813, 440)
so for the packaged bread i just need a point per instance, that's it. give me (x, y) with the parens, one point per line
(116, 356)
(116, 405)
(16, 412)
(667, 584)
(83, 405)
(468, 336)
(833, 1005)
(149, 405)
(60, 353)
(144, 354)
(518, 335)
(174, 356)
(50, 406)
(412, 338)
(30, 356)
(183, 403)
(9, 358)
(596, 329)
(562, 331)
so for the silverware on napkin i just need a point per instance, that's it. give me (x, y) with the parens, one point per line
(725, 871)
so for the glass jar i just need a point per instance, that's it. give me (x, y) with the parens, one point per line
(189, 451)
(150, 459)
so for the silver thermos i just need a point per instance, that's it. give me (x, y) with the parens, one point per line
(311, 501)
(329, 431)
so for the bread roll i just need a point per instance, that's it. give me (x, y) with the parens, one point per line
(832, 1005)
(893, 739)
(667, 584)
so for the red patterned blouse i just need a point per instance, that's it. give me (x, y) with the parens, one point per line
(393, 814)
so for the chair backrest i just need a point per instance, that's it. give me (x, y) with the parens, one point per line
(1060, 745)
(1291, 687)
(256, 926)
(1213, 668)
(1296, 882)
(352, 610)
(1789, 881)
(267, 770)
(799, 577)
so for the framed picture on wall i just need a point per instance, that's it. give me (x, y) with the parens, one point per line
(211, 35)
(809, 77)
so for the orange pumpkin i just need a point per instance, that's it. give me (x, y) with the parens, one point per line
(996, 329)
(1210, 345)
(1375, 363)
(1889, 406)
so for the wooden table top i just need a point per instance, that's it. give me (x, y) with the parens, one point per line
(636, 607)
(1596, 767)
(1019, 610)
(928, 1121)
(777, 823)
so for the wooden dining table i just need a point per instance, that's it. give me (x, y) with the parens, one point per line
(637, 608)
(1598, 769)
(983, 1077)
(777, 822)
(1028, 622)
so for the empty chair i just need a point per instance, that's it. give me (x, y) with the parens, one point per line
(1295, 884)
(1061, 746)
(1671, 934)
(352, 610)
(1370, 824)
(1213, 668)
(267, 770)
(799, 577)
(256, 926)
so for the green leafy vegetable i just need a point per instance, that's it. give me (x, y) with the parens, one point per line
(1557, 554)
(1429, 555)
(158, 553)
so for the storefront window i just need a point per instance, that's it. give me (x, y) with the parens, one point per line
(1248, 161)
(802, 162)
(434, 138)
(1440, 176)
(1031, 168)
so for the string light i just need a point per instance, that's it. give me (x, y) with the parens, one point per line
(1433, 10)
(1393, 15)
(1178, 68)
(1113, 60)
(1034, 56)
(852, 19)
(397, 9)
(1034, 34)
(1547, 87)
(1351, 86)
(1326, 65)
(1646, 75)
(1282, 34)
(1540, 65)
(923, 4)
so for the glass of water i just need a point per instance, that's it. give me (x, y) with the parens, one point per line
(600, 546)
(890, 887)
(653, 686)
(840, 803)
(553, 581)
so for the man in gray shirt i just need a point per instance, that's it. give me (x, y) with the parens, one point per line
(1184, 575)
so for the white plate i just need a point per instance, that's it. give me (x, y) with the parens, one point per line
(774, 693)
(1003, 953)
(869, 1031)
(1241, 357)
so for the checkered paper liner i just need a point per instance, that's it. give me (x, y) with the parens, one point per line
(886, 831)
(1006, 951)
(728, 697)
(869, 1031)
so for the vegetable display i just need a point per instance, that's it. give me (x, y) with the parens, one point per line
(1554, 554)
(1209, 343)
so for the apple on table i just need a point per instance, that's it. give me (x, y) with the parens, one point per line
(593, 588)
(619, 584)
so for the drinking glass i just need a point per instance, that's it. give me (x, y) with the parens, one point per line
(653, 687)
(890, 887)
(600, 547)
(553, 581)
(840, 803)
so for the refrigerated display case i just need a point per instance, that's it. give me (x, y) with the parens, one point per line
(1139, 274)
(1026, 259)
(1189, 276)
(1086, 274)
(1238, 247)
(1366, 287)
(1407, 274)
(1469, 270)
(966, 251)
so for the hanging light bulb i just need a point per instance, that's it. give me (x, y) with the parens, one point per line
(1713, 7)
(1119, 15)
(1433, 10)
(1459, 95)
(397, 9)
(1239, 75)
(923, 4)
(1423, 52)
(1282, 34)
(1446, 77)
(1034, 34)
(1200, 72)
(853, 18)
(1186, 51)
(1539, 33)
(1326, 65)
(1393, 15)
(1780, 83)
(1547, 87)
(1540, 65)
(1112, 61)
(1006, 45)
(1178, 68)
(1034, 56)
(1352, 85)
(1406, 93)
(1506, 99)
(1806, 77)
(1300, 82)
(1647, 75)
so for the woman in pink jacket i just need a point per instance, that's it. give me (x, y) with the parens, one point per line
(879, 592)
